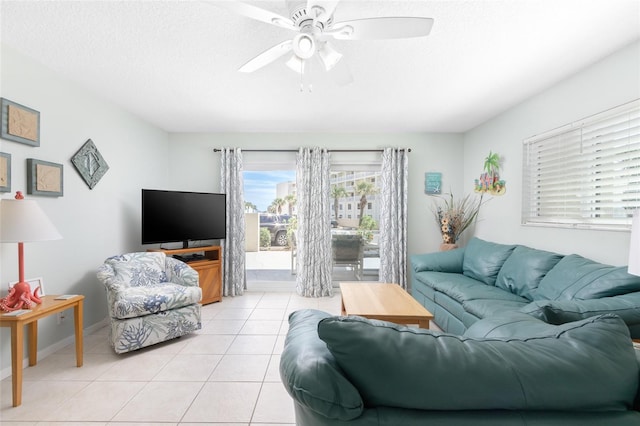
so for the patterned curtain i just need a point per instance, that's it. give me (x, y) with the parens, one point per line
(393, 217)
(234, 278)
(313, 277)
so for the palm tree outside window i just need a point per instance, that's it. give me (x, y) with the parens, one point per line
(364, 188)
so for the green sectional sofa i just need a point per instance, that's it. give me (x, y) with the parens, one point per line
(505, 370)
(485, 279)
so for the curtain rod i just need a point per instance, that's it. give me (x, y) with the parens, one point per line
(295, 150)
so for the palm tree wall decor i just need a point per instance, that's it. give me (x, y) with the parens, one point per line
(490, 178)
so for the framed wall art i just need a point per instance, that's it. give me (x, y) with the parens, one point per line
(44, 178)
(20, 123)
(433, 183)
(34, 283)
(90, 164)
(5, 172)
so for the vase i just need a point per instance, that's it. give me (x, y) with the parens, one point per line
(447, 246)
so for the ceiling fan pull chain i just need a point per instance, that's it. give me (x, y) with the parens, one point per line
(301, 76)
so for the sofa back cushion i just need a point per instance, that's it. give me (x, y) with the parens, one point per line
(483, 260)
(575, 277)
(522, 272)
(589, 366)
(440, 261)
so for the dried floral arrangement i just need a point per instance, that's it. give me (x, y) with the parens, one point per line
(455, 216)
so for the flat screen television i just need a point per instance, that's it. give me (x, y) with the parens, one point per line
(172, 216)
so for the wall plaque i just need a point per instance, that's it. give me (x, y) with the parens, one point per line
(20, 123)
(90, 164)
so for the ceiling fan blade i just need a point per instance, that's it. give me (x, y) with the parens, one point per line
(258, 14)
(266, 57)
(327, 6)
(381, 28)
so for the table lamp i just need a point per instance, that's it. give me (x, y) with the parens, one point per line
(634, 245)
(23, 221)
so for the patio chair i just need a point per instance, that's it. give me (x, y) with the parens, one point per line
(347, 250)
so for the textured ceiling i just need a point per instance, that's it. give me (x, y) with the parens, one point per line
(174, 63)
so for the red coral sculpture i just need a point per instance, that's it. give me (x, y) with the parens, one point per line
(20, 297)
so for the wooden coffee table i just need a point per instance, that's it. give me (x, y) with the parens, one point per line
(387, 302)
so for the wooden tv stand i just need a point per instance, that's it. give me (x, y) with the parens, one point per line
(209, 269)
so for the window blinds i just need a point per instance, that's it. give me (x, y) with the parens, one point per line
(585, 174)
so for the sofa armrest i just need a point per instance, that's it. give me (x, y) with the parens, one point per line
(310, 373)
(180, 273)
(107, 276)
(626, 306)
(442, 261)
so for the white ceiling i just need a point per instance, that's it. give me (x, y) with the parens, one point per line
(174, 63)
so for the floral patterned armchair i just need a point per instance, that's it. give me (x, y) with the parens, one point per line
(151, 298)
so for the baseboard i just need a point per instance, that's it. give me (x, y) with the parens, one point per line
(51, 349)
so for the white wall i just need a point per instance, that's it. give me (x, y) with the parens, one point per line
(608, 83)
(195, 167)
(94, 223)
(104, 221)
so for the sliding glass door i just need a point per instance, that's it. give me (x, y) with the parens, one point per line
(355, 223)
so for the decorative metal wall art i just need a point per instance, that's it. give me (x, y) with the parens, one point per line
(90, 163)
(490, 181)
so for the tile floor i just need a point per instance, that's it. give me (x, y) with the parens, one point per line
(225, 374)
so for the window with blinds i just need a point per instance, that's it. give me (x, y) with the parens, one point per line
(585, 174)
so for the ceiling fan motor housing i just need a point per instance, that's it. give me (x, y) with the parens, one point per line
(302, 17)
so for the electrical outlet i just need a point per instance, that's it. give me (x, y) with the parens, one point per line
(60, 317)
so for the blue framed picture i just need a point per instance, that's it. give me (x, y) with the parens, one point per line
(433, 183)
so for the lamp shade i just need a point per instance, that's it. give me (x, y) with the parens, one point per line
(634, 245)
(24, 221)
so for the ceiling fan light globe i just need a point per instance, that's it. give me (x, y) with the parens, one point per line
(329, 56)
(296, 64)
(304, 46)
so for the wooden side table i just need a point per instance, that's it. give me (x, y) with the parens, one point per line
(49, 306)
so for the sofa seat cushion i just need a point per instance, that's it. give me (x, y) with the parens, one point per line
(522, 272)
(483, 308)
(588, 366)
(462, 288)
(310, 373)
(578, 278)
(483, 259)
(151, 299)
(514, 325)
(450, 305)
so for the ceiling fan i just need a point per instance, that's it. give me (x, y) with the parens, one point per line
(313, 22)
